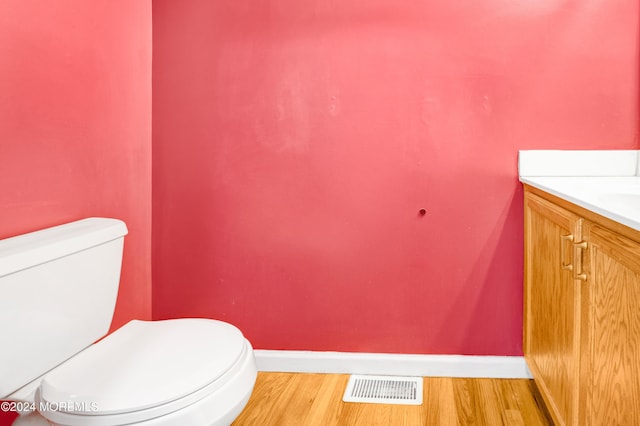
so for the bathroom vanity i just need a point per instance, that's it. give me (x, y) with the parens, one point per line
(582, 283)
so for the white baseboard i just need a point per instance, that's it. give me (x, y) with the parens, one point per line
(499, 367)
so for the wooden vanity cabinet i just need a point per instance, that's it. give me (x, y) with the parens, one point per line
(582, 312)
(610, 386)
(552, 306)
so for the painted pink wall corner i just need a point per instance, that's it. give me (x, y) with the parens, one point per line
(295, 142)
(75, 126)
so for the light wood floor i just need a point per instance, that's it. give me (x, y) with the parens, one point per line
(316, 399)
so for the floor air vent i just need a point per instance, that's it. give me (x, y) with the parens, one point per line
(384, 390)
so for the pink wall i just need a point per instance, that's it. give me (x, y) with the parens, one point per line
(295, 142)
(75, 125)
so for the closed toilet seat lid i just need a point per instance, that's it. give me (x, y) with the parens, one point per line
(144, 364)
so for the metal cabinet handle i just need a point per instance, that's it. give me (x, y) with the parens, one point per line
(563, 238)
(579, 275)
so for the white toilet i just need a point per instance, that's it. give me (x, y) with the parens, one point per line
(58, 289)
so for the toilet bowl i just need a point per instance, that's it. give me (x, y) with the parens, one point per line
(188, 371)
(173, 372)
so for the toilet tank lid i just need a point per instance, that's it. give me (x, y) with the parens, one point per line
(28, 250)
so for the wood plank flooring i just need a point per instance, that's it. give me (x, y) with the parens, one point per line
(316, 399)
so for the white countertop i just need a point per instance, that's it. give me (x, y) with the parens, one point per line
(605, 182)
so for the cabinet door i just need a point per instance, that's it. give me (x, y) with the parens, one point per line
(552, 305)
(611, 357)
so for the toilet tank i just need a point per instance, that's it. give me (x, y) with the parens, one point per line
(58, 290)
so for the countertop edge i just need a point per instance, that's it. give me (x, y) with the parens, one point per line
(581, 202)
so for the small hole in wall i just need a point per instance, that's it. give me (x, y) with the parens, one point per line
(422, 212)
